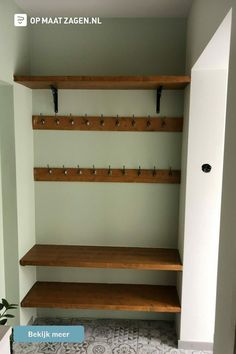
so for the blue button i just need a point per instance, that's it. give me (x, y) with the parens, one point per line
(31, 334)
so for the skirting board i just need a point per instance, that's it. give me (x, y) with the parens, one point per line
(195, 345)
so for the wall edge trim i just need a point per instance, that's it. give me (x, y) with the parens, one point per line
(195, 345)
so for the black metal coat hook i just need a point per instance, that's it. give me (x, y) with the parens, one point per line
(159, 92)
(55, 98)
(79, 172)
(117, 121)
(94, 170)
(102, 123)
(65, 171)
(49, 170)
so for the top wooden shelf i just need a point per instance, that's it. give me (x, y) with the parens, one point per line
(104, 82)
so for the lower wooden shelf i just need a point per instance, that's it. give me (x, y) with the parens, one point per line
(103, 257)
(135, 297)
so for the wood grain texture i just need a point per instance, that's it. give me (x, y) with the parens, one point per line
(104, 82)
(151, 298)
(103, 257)
(42, 174)
(91, 123)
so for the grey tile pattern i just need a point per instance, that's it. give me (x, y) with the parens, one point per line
(111, 337)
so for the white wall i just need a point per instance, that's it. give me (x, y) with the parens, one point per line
(201, 27)
(18, 216)
(9, 210)
(24, 188)
(203, 200)
(226, 289)
(5, 333)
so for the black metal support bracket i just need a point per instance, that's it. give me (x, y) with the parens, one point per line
(55, 98)
(159, 92)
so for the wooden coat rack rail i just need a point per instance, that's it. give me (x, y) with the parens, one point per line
(102, 123)
(106, 175)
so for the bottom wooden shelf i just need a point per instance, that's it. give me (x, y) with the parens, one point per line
(150, 298)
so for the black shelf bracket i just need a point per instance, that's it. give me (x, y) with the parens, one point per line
(159, 92)
(55, 98)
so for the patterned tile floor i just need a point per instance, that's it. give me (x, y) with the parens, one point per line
(111, 337)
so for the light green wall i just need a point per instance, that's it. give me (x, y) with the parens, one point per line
(108, 214)
(117, 47)
(14, 43)
(204, 19)
(2, 260)
(120, 46)
(16, 147)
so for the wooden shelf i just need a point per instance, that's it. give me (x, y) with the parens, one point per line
(103, 257)
(151, 298)
(91, 123)
(104, 82)
(42, 174)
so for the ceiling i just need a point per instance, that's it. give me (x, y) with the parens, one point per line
(106, 8)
